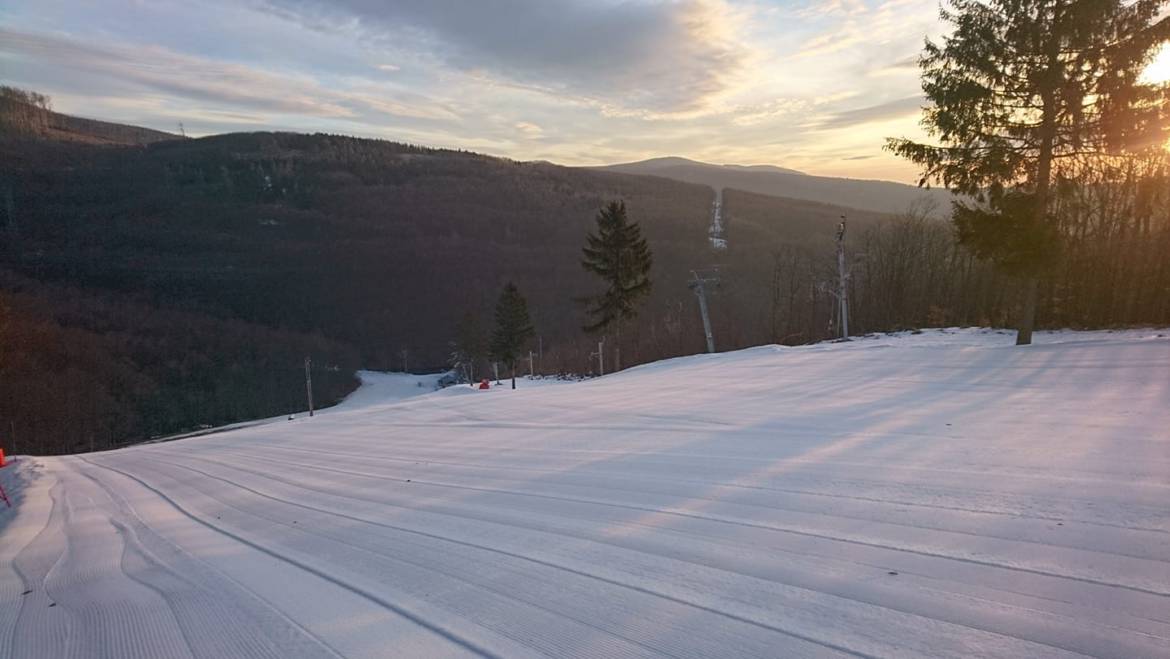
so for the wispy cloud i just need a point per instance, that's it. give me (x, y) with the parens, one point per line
(906, 66)
(902, 107)
(572, 81)
(209, 81)
(653, 56)
(529, 129)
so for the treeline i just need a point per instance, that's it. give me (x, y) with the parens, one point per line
(24, 111)
(1113, 256)
(28, 113)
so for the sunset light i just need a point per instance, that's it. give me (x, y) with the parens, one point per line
(1158, 72)
(708, 329)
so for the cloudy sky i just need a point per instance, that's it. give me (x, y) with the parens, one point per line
(803, 84)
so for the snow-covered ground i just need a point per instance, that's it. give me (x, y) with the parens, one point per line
(380, 388)
(934, 495)
(377, 388)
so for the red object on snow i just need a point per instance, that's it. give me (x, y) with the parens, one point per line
(1, 457)
(484, 384)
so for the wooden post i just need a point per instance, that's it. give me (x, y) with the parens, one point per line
(309, 385)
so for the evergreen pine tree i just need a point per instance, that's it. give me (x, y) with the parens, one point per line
(619, 255)
(1015, 88)
(513, 328)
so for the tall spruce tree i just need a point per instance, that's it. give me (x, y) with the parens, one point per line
(619, 255)
(1018, 86)
(513, 328)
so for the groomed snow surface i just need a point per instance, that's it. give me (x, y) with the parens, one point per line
(933, 495)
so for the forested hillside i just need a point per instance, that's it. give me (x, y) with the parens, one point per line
(156, 279)
(156, 288)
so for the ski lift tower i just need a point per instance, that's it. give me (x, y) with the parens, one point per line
(699, 284)
(842, 280)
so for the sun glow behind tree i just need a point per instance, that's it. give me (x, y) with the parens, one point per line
(1158, 72)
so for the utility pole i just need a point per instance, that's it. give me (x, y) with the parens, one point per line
(309, 385)
(600, 354)
(182, 131)
(699, 286)
(842, 280)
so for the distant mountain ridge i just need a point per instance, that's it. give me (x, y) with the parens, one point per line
(870, 195)
(667, 162)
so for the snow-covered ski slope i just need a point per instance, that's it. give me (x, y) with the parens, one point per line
(933, 495)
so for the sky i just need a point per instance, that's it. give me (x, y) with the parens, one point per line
(814, 86)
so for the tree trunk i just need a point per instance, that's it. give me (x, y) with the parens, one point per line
(1043, 177)
(1027, 313)
(1043, 168)
(513, 375)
